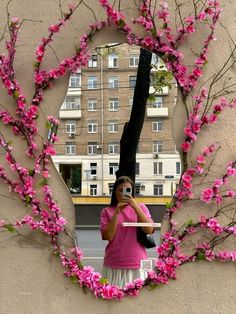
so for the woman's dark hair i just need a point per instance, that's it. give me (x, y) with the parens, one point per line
(119, 181)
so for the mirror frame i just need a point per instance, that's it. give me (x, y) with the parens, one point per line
(167, 45)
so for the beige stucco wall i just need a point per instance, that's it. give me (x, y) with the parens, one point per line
(31, 278)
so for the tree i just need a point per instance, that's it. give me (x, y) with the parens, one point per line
(132, 129)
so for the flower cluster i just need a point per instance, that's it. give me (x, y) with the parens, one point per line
(214, 192)
(196, 121)
(163, 40)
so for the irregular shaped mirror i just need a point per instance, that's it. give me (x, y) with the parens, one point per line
(97, 106)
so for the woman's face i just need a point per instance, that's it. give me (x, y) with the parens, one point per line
(119, 190)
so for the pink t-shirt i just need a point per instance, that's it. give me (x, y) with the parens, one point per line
(123, 251)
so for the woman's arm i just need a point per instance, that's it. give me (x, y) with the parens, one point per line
(140, 214)
(110, 231)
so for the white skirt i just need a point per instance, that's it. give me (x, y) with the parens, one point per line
(119, 276)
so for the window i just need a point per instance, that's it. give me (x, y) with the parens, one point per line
(113, 82)
(92, 126)
(113, 148)
(157, 102)
(93, 189)
(74, 80)
(92, 104)
(158, 189)
(133, 60)
(157, 126)
(70, 148)
(178, 167)
(113, 104)
(155, 60)
(92, 148)
(113, 60)
(175, 100)
(131, 99)
(72, 103)
(113, 127)
(92, 82)
(70, 127)
(157, 168)
(132, 81)
(93, 61)
(157, 147)
(137, 168)
(113, 167)
(137, 188)
(110, 188)
(93, 168)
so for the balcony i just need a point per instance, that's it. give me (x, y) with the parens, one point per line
(164, 91)
(74, 91)
(70, 114)
(157, 112)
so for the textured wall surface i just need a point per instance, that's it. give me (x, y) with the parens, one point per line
(31, 278)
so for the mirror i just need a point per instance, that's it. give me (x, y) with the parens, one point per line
(97, 105)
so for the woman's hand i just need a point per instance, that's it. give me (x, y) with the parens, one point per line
(120, 206)
(129, 200)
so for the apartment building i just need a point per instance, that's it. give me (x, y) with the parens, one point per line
(97, 105)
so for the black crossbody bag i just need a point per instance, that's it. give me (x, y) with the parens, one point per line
(146, 240)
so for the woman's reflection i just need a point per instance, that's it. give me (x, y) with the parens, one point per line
(123, 254)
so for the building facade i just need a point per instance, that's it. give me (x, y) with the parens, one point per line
(97, 105)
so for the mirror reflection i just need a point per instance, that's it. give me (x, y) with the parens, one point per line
(97, 105)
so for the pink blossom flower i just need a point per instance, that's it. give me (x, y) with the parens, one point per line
(190, 19)
(185, 146)
(190, 29)
(231, 171)
(201, 159)
(71, 6)
(218, 182)
(54, 28)
(203, 221)
(201, 16)
(214, 226)
(207, 195)
(209, 255)
(148, 42)
(49, 150)
(186, 177)
(197, 72)
(15, 20)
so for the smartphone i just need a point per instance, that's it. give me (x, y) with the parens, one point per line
(127, 191)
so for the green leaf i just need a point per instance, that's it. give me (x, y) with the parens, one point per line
(43, 182)
(103, 281)
(27, 199)
(201, 256)
(154, 32)
(153, 286)
(10, 228)
(31, 173)
(165, 25)
(48, 125)
(121, 23)
(189, 223)
(74, 279)
(36, 65)
(168, 205)
(16, 94)
(9, 143)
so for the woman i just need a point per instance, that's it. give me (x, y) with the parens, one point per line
(123, 253)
